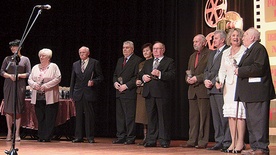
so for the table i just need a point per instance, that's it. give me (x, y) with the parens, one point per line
(64, 127)
(65, 112)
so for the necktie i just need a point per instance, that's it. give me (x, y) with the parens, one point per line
(196, 59)
(216, 55)
(125, 61)
(156, 63)
(82, 66)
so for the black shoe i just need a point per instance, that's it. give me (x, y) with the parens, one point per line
(91, 140)
(216, 147)
(142, 143)
(129, 142)
(119, 141)
(46, 140)
(165, 145)
(77, 140)
(40, 140)
(150, 145)
(224, 148)
(200, 147)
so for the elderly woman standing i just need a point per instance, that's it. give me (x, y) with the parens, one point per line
(7, 71)
(228, 79)
(44, 79)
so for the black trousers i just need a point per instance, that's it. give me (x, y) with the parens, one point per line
(158, 110)
(46, 117)
(125, 119)
(257, 121)
(85, 116)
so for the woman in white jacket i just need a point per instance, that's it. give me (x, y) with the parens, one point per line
(44, 80)
(227, 78)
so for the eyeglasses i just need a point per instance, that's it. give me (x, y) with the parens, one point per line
(157, 48)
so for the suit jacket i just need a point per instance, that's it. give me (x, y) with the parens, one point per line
(211, 70)
(254, 83)
(128, 73)
(198, 89)
(79, 80)
(158, 87)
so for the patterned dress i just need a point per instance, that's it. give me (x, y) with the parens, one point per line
(24, 66)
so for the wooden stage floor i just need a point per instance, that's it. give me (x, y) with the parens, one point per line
(103, 146)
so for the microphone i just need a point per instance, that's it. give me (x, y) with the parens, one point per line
(46, 7)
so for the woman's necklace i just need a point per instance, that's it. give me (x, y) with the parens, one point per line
(43, 67)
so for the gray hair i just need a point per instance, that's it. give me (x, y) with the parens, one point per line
(129, 43)
(254, 32)
(203, 39)
(221, 33)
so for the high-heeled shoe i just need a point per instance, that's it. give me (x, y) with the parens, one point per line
(17, 138)
(9, 137)
(228, 151)
(239, 151)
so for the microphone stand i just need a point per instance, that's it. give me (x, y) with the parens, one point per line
(16, 59)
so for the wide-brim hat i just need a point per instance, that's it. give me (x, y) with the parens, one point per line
(16, 42)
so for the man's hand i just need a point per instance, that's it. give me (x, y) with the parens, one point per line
(146, 78)
(208, 83)
(218, 85)
(90, 83)
(117, 85)
(122, 88)
(155, 72)
(236, 71)
(139, 83)
(192, 80)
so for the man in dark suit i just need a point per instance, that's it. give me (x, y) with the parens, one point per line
(86, 76)
(255, 88)
(222, 132)
(156, 74)
(124, 80)
(199, 104)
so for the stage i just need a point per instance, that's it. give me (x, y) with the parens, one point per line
(103, 146)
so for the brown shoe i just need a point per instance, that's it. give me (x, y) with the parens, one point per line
(254, 152)
(187, 146)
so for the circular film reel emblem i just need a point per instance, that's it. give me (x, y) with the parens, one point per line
(210, 38)
(214, 11)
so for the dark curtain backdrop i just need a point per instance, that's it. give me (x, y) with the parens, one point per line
(103, 25)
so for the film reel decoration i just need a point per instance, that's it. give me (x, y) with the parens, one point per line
(210, 38)
(214, 11)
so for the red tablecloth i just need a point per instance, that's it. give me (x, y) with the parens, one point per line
(65, 112)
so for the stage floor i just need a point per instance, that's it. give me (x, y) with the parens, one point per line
(103, 146)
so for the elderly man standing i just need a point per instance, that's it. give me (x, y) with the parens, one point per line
(157, 74)
(255, 88)
(86, 76)
(124, 80)
(199, 104)
(222, 133)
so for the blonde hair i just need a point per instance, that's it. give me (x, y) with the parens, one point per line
(46, 52)
(228, 39)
